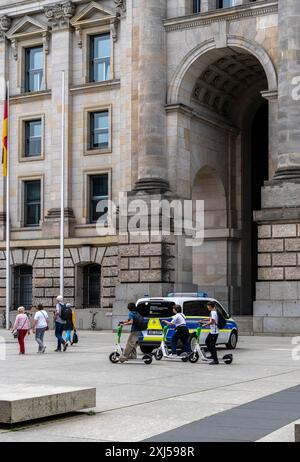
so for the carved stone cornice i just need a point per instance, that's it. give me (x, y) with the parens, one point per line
(5, 23)
(219, 15)
(26, 28)
(59, 14)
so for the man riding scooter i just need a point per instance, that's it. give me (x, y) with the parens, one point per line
(181, 330)
(137, 323)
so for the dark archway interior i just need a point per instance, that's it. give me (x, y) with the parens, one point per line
(229, 90)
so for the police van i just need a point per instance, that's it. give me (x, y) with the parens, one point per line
(194, 306)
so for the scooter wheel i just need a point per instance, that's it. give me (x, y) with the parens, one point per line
(158, 355)
(147, 359)
(228, 359)
(114, 357)
(185, 359)
(194, 357)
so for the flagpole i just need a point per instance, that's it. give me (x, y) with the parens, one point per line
(62, 196)
(8, 284)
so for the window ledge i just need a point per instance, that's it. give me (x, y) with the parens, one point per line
(92, 86)
(27, 228)
(31, 158)
(93, 152)
(30, 95)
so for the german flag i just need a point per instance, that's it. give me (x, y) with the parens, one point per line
(4, 135)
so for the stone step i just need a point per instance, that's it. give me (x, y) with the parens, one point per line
(21, 403)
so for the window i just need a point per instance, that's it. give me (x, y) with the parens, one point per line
(196, 6)
(195, 308)
(33, 69)
(100, 58)
(225, 3)
(153, 309)
(23, 286)
(33, 138)
(91, 286)
(98, 195)
(32, 202)
(99, 130)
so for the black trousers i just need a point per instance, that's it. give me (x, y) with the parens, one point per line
(211, 341)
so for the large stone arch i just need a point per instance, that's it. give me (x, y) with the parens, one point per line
(207, 52)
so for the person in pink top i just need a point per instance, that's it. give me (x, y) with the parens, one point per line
(22, 326)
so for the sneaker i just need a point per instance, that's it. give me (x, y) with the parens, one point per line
(57, 350)
(214, 363)
(66, 346)
(44, 349)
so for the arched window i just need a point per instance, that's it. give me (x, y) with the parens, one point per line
(23, 286)
(91, 286)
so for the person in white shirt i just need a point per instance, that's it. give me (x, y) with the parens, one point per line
(41, 321)
(212, 337)
(181, 330)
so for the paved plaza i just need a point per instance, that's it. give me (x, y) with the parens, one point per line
(257, 398)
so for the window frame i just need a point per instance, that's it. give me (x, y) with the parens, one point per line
(87, 130)
(92, 59)
(34, 203)
(22, 137)
(27, 70)
(91, 198)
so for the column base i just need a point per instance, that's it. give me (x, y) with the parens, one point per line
(290, 173)
(152, 185)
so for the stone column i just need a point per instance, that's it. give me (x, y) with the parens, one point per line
(5, 23)
(152, 165)
(288, 105)
(59, 16)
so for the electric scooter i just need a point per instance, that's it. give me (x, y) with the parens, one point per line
(198, 352)
(163, 351)
(115, 355)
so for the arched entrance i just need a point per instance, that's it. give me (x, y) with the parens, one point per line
(224, 117)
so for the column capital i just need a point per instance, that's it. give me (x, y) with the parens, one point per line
(120, 6)
(59, 14)
(5, 23)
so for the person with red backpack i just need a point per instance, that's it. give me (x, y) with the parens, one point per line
(138, 324)
(60, 323)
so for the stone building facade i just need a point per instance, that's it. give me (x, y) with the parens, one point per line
(196, 100)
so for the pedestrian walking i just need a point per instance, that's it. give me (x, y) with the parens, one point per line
(70, 323)
(40, 325)
(212, 337)
(60, 323)
(135, 320)
(22, 327)
(181, 330)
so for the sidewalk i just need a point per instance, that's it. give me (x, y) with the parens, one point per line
(137, 402)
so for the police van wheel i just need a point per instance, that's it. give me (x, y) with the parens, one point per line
(147, 359)
(114, 357)
(147, 350)
(194, 357)
(231, 345)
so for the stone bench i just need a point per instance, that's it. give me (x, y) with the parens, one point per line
(21, 403)
(297, 433)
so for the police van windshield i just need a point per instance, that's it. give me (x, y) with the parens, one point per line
(156, 309)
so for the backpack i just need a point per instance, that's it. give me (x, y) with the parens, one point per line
(139, 322)
(222, 321)
(63, 312)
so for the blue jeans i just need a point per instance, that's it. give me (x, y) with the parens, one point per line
(59, 328)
